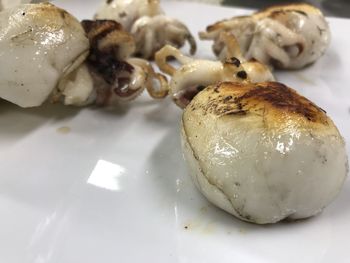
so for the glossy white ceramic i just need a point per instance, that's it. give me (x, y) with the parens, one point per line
(109, 185)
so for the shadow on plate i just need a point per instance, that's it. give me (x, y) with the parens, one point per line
(16, 121)
(165, 113)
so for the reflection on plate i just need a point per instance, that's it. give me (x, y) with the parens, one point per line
(109, 185)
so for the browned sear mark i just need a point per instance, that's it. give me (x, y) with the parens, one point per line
(240, 99)
(282, 97)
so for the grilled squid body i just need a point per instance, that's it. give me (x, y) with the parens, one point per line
(146, 21)
(54, 58)
(262, 152)
(41, 42)
(287, 36)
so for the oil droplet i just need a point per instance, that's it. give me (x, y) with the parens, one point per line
(64, 130)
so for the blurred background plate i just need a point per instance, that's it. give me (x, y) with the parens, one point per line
(336, 8)
(109, 185)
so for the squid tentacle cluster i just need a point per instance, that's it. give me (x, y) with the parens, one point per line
(60, 59)
(146, 21)
(287, 36)
(195, 74)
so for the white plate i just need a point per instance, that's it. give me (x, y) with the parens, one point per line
(97, 185)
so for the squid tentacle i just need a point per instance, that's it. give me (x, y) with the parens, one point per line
(287, 36)
(194, 74)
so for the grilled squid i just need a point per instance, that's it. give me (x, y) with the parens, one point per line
(146, 21)
(54, 57)
(116, 75)
(262, 152)
(287, 36)
(194, 74)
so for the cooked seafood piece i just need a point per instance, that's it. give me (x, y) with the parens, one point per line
(146, 21)
(42, 42)
(286, 36)
(194, 74)
(262, 152)
(116, 75)
(54, 57)
(127, 12)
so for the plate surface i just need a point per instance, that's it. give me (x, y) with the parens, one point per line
(100, 185)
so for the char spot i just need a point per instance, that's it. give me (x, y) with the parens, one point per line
(226, 99)
(99, 29)
(320, 30)
(187, 95)
(300, 12)
(276, 63)
(122, 14)
(109, 1)
(236, 112)
(235, 61)
(63, 14)
(242, 74)
(200, 88)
